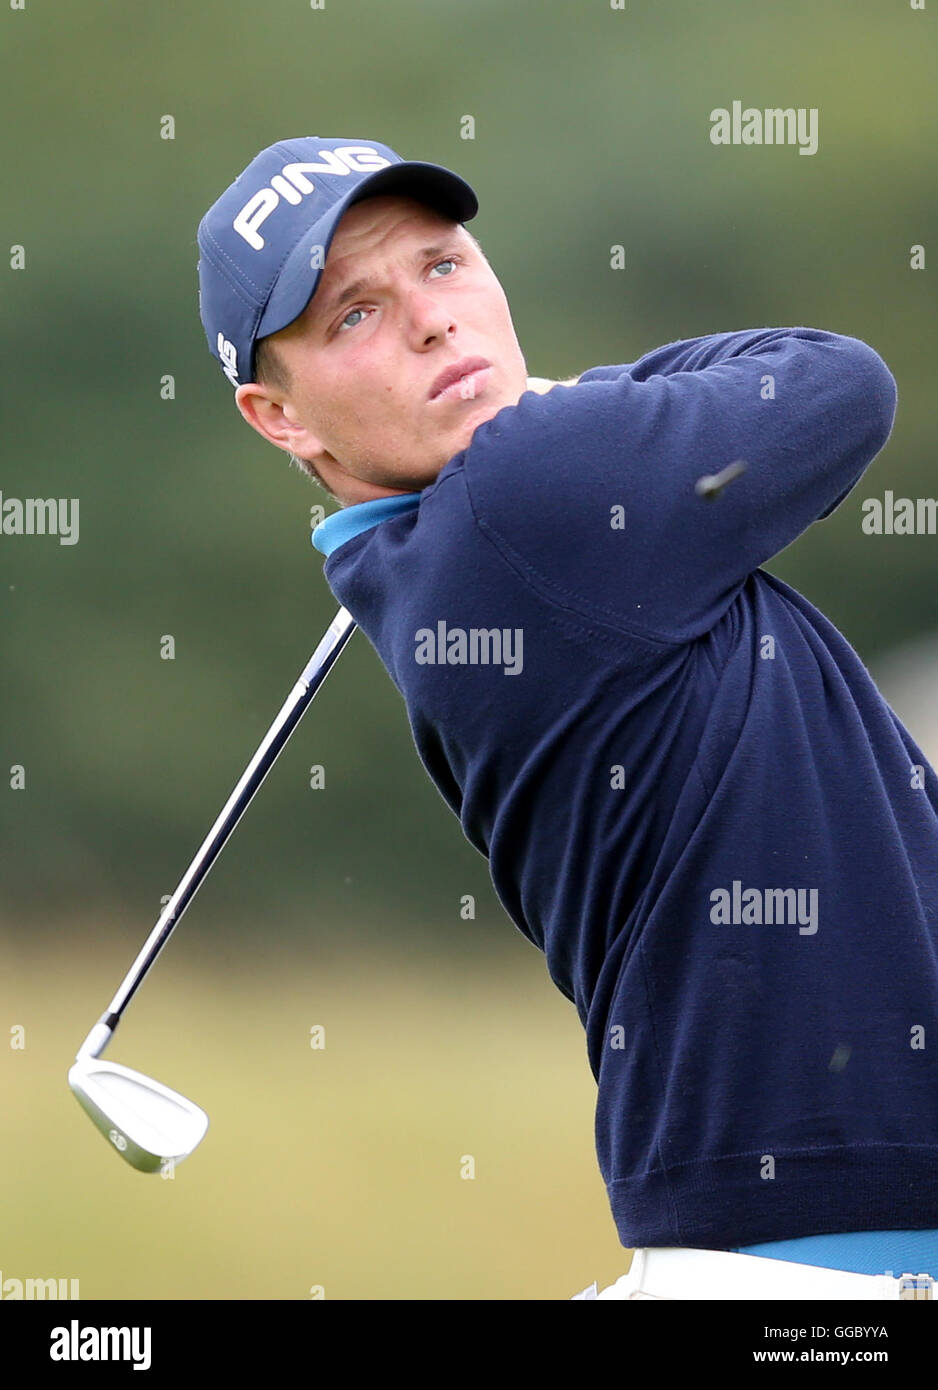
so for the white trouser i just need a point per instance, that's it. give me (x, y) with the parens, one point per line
(676, 1272)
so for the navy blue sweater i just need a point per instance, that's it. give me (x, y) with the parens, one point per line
(691, 795)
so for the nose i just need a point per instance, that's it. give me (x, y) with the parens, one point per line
(427, 317)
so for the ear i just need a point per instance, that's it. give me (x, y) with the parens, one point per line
(269, 411)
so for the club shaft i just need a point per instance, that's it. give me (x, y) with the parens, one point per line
(292, 711)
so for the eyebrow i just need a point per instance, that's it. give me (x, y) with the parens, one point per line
(356, 287)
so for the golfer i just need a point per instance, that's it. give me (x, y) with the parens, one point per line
(690, 793)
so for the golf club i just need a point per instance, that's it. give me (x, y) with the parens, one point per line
(148, 1124)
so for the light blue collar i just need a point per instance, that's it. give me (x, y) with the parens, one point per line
(341, 526)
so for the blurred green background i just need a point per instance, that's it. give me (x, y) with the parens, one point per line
(340, 907)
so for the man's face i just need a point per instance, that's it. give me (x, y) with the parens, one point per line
(362, 371)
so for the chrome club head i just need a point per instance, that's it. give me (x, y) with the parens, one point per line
(149, 1125)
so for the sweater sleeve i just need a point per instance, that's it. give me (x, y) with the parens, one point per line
(591, 491)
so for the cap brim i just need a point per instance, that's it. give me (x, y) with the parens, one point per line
(297, 281)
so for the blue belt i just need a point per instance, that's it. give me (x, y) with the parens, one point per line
(861, 1252)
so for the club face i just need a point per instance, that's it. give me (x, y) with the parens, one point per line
(149, 1125)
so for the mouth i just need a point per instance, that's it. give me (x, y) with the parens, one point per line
(463, 380)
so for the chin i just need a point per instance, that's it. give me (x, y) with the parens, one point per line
(487, 411)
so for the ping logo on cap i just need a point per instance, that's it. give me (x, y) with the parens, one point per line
(293, 185)
(228, 357)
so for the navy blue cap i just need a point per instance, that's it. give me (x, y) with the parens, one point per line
(264, 242)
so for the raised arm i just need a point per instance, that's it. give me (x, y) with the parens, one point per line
(597, 503)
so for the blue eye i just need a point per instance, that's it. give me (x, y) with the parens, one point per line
(449, 260)
(349, 315)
